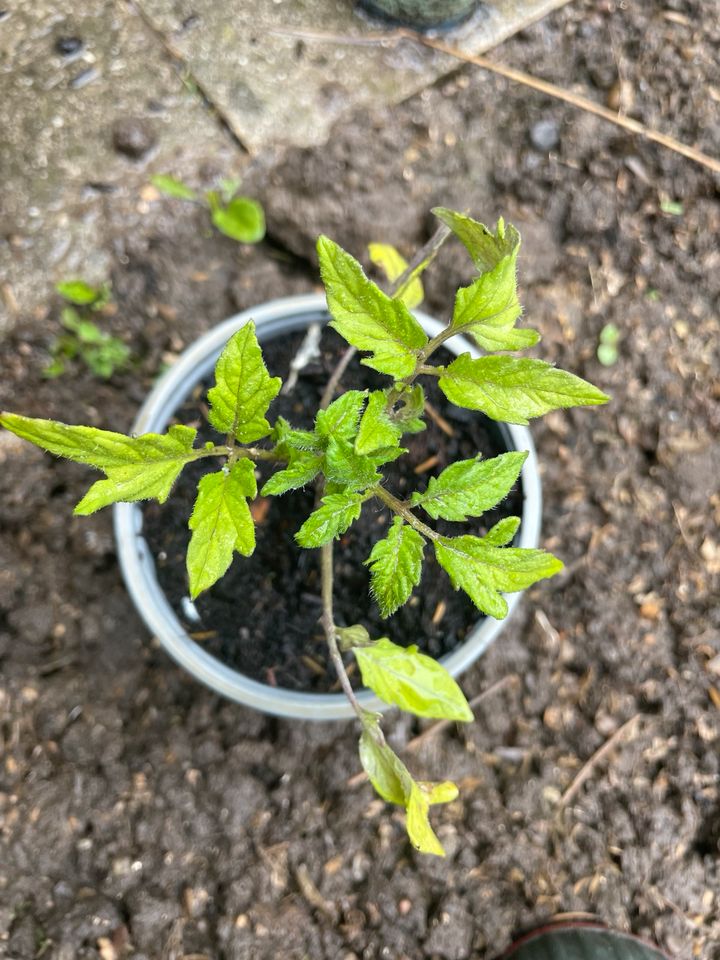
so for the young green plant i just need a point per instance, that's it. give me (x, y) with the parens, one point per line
(353, 438)
(240, 218)
(83, 339)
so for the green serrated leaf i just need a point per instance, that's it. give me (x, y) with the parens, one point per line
(366, 317)
(221, 524)
(486, 248)
(502, 533)
(79, 292)
(172, 187)
(484, 570)
(412, 681)
(286, 437)
(393, 265)
(243, 388)
(513, 390)
(302, 468)
(470, 487)
(343, 465)
(241, 219)
(490, 301)
(504, 338)
(396, 565)
(341, 418)
(377, 431)
(386, 772)
(332, 518)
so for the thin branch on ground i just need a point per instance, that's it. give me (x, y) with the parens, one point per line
(588, 768)
(525, 79)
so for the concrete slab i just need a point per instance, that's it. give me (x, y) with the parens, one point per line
(277, 89)
(91, 105)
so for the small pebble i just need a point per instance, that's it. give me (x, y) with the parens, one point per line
(68, 46)
(133, 137)
(83, 78)
(545, 135)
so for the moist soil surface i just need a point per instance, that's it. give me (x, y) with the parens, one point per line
(273, 634)
(142, 816)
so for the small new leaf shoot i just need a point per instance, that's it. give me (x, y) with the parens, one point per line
(332, 518)
(396, 566)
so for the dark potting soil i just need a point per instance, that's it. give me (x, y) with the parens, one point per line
(262, 618)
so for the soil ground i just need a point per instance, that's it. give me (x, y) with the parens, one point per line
(144, 817)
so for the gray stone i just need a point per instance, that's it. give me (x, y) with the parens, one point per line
(545, 134)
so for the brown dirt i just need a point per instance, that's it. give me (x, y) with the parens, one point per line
(141, 813)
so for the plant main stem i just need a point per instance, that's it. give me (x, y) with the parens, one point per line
(328, 622)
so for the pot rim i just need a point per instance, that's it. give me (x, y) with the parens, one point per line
(275, 317)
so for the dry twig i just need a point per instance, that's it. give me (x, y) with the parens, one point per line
(526, 80)
(588, 768)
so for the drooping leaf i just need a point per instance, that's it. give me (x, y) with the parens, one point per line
(485, 571)
(394, 783)
(513, 390)
(343, 465)
(242, 219)
(302, 468)
(486, 248)
(386, 772)
(366, 317)
(172, 187)
(332, 518)
(393, 265)
(78, 292)
(422, 836)
(221, 524)
(377, 430)
(243, 388)
(470, 487)
(342, 416)
(396, 565)
(502, 533)
(443, 792)
(412, 681)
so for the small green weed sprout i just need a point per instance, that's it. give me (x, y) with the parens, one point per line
(354, 436)
(83, 339)
(239, 218)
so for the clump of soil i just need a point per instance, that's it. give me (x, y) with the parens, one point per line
(262, 618)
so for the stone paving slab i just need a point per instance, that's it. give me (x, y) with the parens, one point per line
(277, 89)
(63, 116)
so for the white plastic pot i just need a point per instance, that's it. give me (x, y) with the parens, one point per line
(277, 318)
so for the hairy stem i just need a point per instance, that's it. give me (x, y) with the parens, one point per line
(402, 510)
(328, 622)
